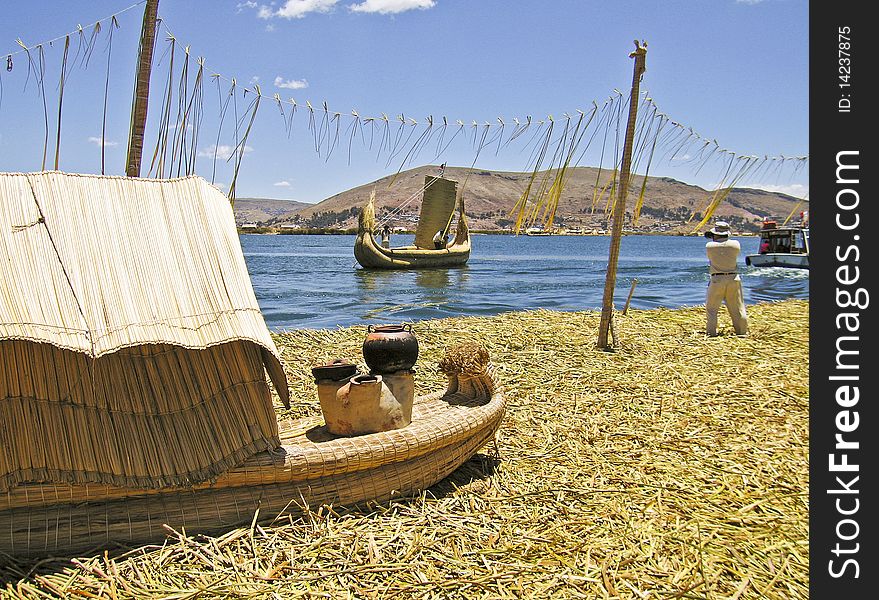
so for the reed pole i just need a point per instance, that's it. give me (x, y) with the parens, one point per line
(631, 293)
(619, 212)
(142, 88)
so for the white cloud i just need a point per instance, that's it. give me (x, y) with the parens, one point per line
(388, 7)
(297, 9)
(281, 184)
(223, 151)
(797, 190)
(97, 142)
(290, 84)
(175, 126)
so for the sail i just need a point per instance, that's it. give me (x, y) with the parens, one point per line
(436, 209)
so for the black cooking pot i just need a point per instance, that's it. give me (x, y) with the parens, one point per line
(335, 370)
(390, 348)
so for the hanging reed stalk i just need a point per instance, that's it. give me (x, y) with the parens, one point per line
(522, 204)
(114, 24)
(180, 123)
(197, 109)
(223, 107)
(639, 204)
(61, 99)
(89, 45)
(723, 190)
(596, 197)
(39, 70)
(241, 148)
(157, 165)
(792, 213)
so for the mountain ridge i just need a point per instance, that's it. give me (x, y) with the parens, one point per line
(669, 206)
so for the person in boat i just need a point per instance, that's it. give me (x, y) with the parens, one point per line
(386, 236)
(764, 247)
(725, 285)
(440, 240)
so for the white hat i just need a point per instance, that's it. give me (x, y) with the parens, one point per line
(721, 228)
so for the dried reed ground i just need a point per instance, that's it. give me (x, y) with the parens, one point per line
(674, 467)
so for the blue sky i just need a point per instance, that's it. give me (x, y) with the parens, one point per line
(735, 71)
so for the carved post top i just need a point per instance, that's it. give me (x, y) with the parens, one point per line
(639, 54)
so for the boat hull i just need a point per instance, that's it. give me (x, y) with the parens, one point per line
(311, 468)
(372, 256)
(794, 261)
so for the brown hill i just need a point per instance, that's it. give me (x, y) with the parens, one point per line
(490, 196)
(260, 210)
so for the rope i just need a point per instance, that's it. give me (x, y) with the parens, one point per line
(42, 220)
(79, 29)
(391, 214)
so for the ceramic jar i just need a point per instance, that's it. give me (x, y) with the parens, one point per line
(366, 404)
(390, 348)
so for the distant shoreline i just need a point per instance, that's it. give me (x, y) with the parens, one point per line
(275, 231)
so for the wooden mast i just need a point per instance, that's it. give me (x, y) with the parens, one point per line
(142, 88)
(619, 213)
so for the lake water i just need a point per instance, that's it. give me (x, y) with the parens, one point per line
(313, 281)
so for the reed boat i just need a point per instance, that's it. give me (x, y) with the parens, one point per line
(136, 377)
(310, 468)
(437, 210)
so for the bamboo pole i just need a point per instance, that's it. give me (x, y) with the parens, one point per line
(631, 293)
(619, 212)
(142, 88)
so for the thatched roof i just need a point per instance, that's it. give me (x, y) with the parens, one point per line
(114, 267)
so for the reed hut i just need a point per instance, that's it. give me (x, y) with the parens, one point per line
(132, 349)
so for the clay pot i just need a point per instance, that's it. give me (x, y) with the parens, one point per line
(390, 348)
(366, 404)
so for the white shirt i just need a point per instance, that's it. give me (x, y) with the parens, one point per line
(723, 257)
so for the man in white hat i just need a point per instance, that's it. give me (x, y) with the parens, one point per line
(725, 285)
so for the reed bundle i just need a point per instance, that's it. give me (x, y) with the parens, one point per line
(676, 466)
(132, 349)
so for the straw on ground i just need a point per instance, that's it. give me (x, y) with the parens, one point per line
(676, 466)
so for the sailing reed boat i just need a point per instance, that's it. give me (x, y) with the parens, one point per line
(437, 210)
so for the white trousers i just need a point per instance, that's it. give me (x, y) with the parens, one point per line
(726, 289)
